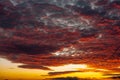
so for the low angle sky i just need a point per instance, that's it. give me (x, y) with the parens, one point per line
(60, 39)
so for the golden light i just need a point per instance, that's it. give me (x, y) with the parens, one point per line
(96, 75)
(69, 67)
(9, 70)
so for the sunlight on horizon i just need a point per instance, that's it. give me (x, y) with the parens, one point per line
(9, 70)
(69, 67)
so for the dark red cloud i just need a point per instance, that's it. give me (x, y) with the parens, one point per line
(8, 18)
(33, 42)
(34, 67)
(115, 4)
(35, 48)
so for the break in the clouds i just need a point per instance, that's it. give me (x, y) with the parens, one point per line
(54, 33)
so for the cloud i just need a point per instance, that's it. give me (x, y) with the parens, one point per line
(8, 19)
(34, 67)
(95, 40)
(89, 32)
(61, 73)
(116, 69)
(113, 76)
(71, 78)
(66, 78)
(37, 48)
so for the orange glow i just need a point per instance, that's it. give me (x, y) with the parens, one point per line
(11, 71)
(96, 75)
(59, 39)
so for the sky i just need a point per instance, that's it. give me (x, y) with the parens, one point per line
(60, 39)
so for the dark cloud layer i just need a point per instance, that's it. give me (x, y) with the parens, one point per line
(114, 76)
(31, 33)
(67, 78)
(61, 73)
(34, 67)
(8, 19)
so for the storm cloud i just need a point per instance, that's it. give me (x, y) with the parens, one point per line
(42, 34)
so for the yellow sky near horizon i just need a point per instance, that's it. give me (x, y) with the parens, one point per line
(9, 70)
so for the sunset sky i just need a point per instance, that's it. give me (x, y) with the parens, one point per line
(59, 39)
